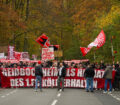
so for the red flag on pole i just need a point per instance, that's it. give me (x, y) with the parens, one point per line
(99, 41)
(43, 40)
(84, 50)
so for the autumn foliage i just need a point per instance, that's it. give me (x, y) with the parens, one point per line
(68, 23)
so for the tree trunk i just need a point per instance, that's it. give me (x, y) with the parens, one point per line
(27, 10)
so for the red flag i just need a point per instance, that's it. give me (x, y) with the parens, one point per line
(17, 55)
(56, 47)
(84, 50)
(47, 44)
(99, 41)
(43, 41)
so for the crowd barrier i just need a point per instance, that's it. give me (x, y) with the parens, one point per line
(25, 77)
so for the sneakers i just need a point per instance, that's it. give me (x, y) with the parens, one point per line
(109, 92)
(87, 90)
(41, 90)
(92, 91)
(35, 90)
(104, 92)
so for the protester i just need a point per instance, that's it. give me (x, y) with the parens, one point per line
(114, 67)
(38, 75)
(54, 64)
(117, 65)
(97, 66)
(61, 76)
(116, 82)
(102, 65)
(72, 65)
(89, 75)
(108, 78)
(80, 66)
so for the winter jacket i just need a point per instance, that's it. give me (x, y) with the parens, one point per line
(108, 73)
(89, 72)
(117, 74)
(63, 74)
(38, 71)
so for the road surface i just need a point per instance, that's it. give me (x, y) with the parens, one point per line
(27, 96)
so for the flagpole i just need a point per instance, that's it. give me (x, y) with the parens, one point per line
(94, 55)
(112, 50)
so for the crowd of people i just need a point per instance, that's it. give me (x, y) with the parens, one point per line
(101, 65)
(22, 64)
(48, 64)
(15, 65)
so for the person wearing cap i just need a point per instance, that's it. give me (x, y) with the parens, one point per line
(38, 75)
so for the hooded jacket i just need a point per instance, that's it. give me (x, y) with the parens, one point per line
(108, 72)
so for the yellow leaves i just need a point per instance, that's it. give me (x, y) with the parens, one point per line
(108, 18)
(11, 17)
(86, 13)
(56, 3)
(10, 24)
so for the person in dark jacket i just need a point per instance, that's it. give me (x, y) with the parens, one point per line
(61, 75)
(116, 82)
(89, 75)
(38, 75)
(102, 65)
(117, 65)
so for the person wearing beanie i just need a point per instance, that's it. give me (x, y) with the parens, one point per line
(38, 75)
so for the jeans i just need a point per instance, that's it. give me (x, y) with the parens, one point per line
(110, 84)
(38, 78)
(60, 79)
(89, 81)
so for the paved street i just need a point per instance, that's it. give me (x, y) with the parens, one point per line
(27, 96)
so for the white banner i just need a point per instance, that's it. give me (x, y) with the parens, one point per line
(25, 55)
(47, 54)
(2, 55)
(11, 52)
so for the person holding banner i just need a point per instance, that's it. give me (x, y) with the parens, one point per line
(89, 75)
(61, 76)
(38, 75)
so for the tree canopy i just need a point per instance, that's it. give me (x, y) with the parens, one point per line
(69, 23)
